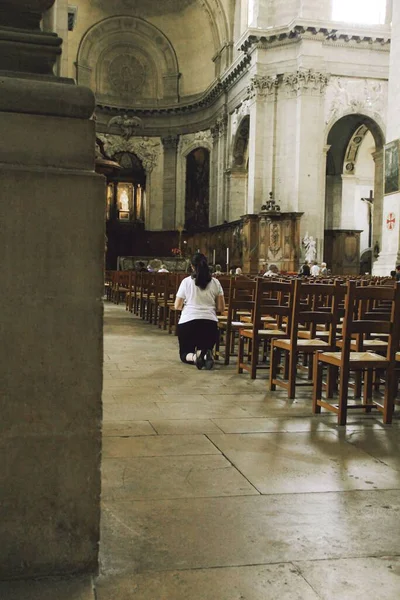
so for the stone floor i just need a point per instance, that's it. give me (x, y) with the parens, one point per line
(216, 489)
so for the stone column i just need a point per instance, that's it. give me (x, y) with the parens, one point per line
(217, 207)
(307, 88)
(390, 250)
(262, 96)
(52, 249)
(378, 202)
(170, 144)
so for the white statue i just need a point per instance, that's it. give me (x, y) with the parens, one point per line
(124, 201)
(311, 247)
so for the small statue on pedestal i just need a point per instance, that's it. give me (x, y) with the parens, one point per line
(311, 248)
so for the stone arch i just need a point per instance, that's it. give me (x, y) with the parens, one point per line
(349, 213)
(127, 60)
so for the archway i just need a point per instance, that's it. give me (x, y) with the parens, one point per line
(354, 193)
(197, 198)
(126, 207)
(239, 171)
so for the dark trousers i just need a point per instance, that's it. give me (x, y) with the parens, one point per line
(199, 334)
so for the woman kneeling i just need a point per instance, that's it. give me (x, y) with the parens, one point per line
(199, 297)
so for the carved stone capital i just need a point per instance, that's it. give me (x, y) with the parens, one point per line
(220, 127)
(262, 86)
(309, 81)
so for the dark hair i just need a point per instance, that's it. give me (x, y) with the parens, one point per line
(398, 268)
(392, 273)
(202, 275)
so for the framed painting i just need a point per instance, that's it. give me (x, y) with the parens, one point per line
(392, 168)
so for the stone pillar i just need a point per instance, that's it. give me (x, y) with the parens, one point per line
(306, 90)
(262, 96)
(218, 207)
(52, 249)
(170, 144)
(390, 250)
(378, 202)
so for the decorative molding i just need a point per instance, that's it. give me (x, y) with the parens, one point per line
(308, 81)
(126, 125)
(147, 149)
(262, 86)
(351, 37)
(345, 95)
(220, 127)
(192, 140)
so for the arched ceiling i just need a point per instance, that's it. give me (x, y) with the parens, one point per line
(147, 9)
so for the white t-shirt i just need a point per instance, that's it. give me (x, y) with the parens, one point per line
(198, 303)
(315, 270)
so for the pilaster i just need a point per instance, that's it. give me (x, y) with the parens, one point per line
(170, 144)
(262, 93)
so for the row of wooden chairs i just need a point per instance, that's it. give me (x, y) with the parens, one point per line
(342, 326)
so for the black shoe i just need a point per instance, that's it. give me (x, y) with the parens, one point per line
(199, 360)
(208, 360)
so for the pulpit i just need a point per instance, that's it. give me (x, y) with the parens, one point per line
(279, 239)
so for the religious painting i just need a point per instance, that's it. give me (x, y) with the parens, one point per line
(392, 170)
(197, 189)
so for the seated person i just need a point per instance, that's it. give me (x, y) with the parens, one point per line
(218, 270)
(272, 271)
(163, 269)
(238, 271)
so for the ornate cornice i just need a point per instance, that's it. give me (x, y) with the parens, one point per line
(357, 37)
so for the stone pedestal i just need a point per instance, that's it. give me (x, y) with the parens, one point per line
(52, 248)
(342, 251)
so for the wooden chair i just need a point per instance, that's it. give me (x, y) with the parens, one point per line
(121, 285)
(240, 303)
(108, 282)
(304, 314)
(357, 323)
(274, 301)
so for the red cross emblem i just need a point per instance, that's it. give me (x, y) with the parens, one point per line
(390, 221)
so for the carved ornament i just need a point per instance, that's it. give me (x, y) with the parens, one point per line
(345, 95)
(145, 148)
(306, 81)
(127, 125)
(201, 138)
(262, 86)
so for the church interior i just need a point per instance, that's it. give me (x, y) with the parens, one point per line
(264, 135)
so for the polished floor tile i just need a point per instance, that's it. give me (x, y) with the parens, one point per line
(165, 445)
(289, 463)
(172, 477)
(247, 530)
(128, 428)
(354, 578)
(184, 426)
(271, 582)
